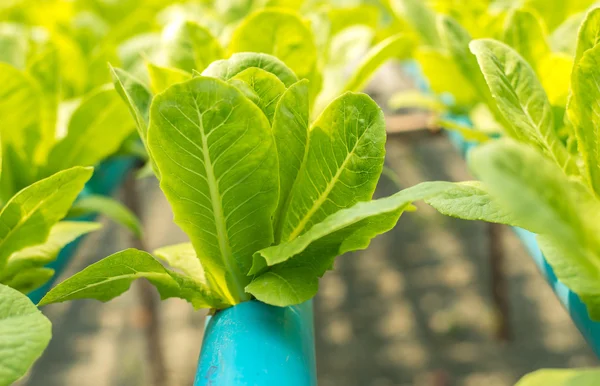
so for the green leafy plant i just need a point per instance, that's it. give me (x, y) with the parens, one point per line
(267, 198)
(540, 183)
(32, 234)
(544, 38)
(319, 51)
(563, 377)
(24, 334)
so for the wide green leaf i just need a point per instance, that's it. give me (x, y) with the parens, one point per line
(455, 39)
(420, 17)
(470, 201)
(444, 76)
(296, 265)
(395, 47)
(110, 208)
(226, 69)
(290, 129)
(563, 37)
(262, 87)
(281, 33)
(113, 275)
(24, 334)
(28, 217)
(183, 257)
(561, 377)
(522, 99)
(137, 97)
(218, 163)
(524, 31)
(589, 33)
(584, 114)
(162, 78)
(342, 164)
(189, 46)
(30, 279)
(61, 234)
(96, 130)
(543, 200)
(21, 129)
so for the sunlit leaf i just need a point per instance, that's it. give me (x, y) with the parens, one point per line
(113, 275)
(96, 130)
(109, 207)
(562, 377)
(228, 68)
(24, 334)
(296, 265)
(280, 33)
(522, 99)
(342, 164)
(28, 217)
(216, 154)
(189, 46)
(61, 234)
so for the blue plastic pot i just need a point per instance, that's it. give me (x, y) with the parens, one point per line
(107, 177)
(256, 344)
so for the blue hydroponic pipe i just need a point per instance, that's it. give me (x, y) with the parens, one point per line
(107, 177)
(255, 344)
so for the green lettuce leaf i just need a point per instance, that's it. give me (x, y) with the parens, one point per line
(522, 99)
(281, 33)
(113, 275)
(96, 130)
(585, 116)
(21, 129)
(399, 46)
(342, 164)
(189, 46)
(218, 164)
(290, 130)
(470, 201)
(562, 377)
(137, 97)
(261, 87)
(30, 279)
(420, 17)
(36, 256)
(162, 78)
(29, 216)
(543, 200)
(183, 257)
(226, 69)
(296, 265)
(524, 31)
(24, 334)
(110, 208)
(588, 35)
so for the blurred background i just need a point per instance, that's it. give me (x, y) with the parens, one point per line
(417, 308)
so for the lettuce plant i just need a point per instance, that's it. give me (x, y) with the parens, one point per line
(24, 334)
(267, 198)
(538, 183)
(543, 34)
(318, 50)
(32, 234)
(561, 377)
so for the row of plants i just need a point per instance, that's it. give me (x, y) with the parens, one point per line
(267, 154)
